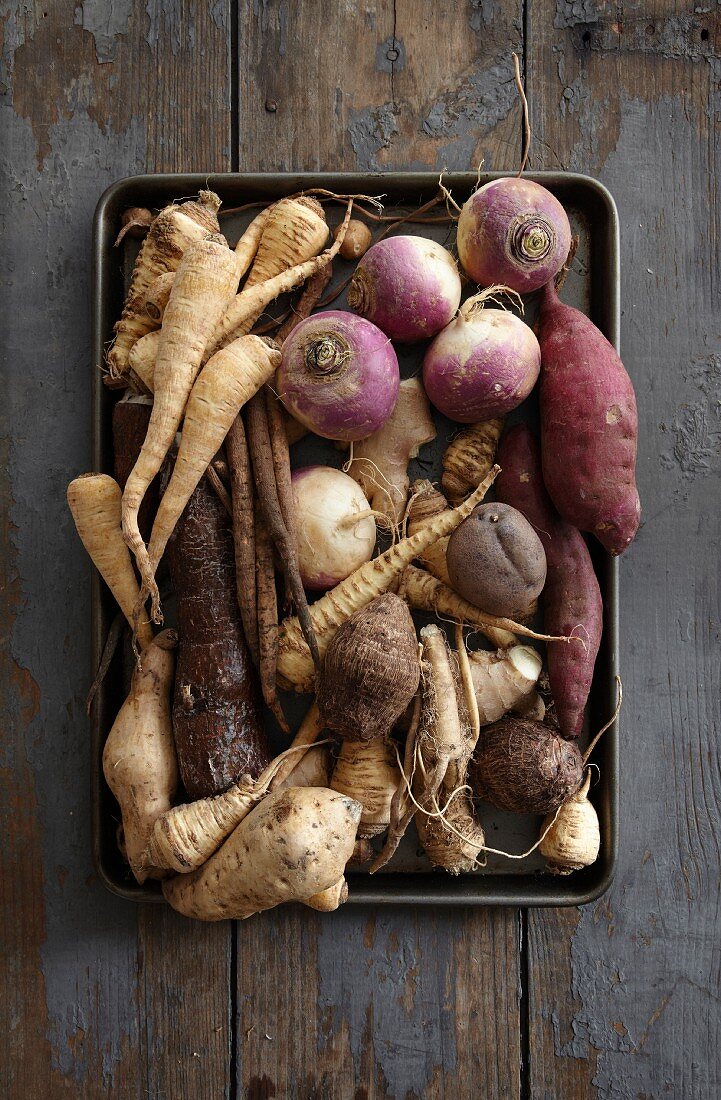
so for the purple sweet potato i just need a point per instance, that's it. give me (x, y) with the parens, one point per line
(589, 426)
(571, 597)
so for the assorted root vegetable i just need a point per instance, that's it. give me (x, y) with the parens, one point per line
(206, 503)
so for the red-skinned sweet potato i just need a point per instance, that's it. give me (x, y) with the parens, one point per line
(571, 597)
(589, 426)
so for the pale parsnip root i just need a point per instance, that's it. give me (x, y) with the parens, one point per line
(230, 379)
(142, 358)
(368, 772)
(468, 458)
(245, 309)
(427, 502)
(172, 231)
(157, 295)
(295, 665)
(501, 680)
(95, 503)
(380, 462)
(295, 230)
(293, 845)
(202, 288)
(139, 761)
(422, 592)
(307, 734)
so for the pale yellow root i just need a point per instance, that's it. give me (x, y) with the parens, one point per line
(175, 227)
(142, 358)
(368, 772)
(530, 706)
(295, 231)
(426, 502)
(227, 381)
(295, 664)
(95, 503)
(501, 680)
(446, 826)
(157, 295)
(245, 309)
(468, 458)
(139, 762)
(327, 901)
(293, 845)
(380, 463)
(203, 286)
(247, 246)
(308, 733)
(187, 835)
(422, 592)
(572, 837)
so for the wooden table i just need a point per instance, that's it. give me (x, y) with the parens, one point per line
(620, 999)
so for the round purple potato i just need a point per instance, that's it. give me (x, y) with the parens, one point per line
(513, 232)
(339, 375)
(496, 561)
(408, 286)
(482, 365)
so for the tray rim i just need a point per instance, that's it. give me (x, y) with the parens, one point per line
(418, 888)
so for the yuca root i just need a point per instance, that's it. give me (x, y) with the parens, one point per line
(427, 502)
(468, 458)
(380, 463)
(175, 227)
(265, 472)
(241, 482)
(422, 592)
(295, 666)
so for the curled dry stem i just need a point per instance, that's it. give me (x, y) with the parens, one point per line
(526, 122)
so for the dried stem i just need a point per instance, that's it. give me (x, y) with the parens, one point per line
(526, 123)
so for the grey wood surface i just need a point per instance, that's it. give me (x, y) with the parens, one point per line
(620, 999)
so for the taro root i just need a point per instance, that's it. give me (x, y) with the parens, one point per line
(525, 766)
(496, 561)
(371, 670)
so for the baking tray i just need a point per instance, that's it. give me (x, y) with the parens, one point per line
(593, 285)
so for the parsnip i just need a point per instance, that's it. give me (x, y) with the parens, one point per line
(468, 458)
(95, 503)
(172, 231)
(203, 286)
(295, 844)
(142, 359)
(294, 231)
(139, 760)
(368, 772)
(230, 379)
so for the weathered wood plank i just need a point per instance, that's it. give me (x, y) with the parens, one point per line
(624, 995)
(99, 998)
(391, 1003)
(378, 85)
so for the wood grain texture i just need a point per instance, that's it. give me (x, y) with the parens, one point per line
(377, 85)
(379, 1004)
(99, 998)
(624, 995)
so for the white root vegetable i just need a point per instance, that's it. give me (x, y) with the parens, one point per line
(295, 665)
(203, 286)
(95, 503)
(468, 458)
(293, 845)
(327, 901)
(368, 772)
(139, 762)
(295, 230)
(574, 838)
(172, 231)
(501, 680)
(380, 462)
(335, 526)
(142, 358)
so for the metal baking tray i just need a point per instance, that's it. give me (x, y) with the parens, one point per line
(593, 285)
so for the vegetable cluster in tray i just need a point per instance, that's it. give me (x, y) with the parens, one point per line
(304, 579)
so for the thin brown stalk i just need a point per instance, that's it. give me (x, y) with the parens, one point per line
(267, 619)
(307, 301)
(241, 487)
